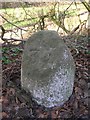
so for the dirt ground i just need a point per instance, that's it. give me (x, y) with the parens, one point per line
(18, 105)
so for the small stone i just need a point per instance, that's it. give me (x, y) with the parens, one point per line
(47, 69)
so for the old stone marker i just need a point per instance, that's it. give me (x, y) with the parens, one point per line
(47, 69)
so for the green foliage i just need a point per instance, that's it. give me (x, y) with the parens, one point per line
(8, 54)
(6, 60)
(88, 52)
(5, 50)
(16, 50)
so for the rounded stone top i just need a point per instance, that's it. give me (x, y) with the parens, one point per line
(47, 68)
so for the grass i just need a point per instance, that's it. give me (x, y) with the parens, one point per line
(20, 16)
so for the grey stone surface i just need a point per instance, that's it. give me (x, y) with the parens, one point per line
(47, 69)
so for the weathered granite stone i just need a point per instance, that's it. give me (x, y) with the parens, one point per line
(47, 69)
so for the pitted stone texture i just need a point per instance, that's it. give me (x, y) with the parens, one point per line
(47, 69)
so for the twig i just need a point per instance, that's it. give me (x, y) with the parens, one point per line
(25, 11)
(86, 4)
(83, 13)
(28, 25)
(7, 39)
(72, 32)
(3, 32)
(12, 23)
(68, 7)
